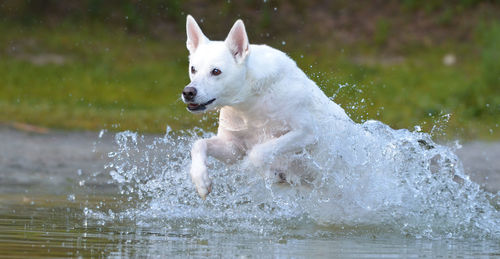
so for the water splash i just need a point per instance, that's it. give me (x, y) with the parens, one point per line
(383, 179)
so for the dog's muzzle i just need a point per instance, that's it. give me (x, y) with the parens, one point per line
(194, 107)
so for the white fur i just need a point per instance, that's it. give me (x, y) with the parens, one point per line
(268, 106)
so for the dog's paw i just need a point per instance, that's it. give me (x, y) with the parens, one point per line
(204, 189)
(260, 156)
(199, 176)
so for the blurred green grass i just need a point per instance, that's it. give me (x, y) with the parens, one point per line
(95, 76)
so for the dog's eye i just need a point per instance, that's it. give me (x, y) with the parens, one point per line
(216, 72)
(193, 71)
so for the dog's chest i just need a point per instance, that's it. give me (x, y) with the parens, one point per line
(251, 129)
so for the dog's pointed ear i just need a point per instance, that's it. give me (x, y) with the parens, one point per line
(195, 36)
(237, 41)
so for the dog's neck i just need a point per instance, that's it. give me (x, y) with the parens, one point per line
(254, 86)
(261, 77)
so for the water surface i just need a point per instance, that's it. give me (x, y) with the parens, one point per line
(76, 194)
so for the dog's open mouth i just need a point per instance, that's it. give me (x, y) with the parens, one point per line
(199, 107)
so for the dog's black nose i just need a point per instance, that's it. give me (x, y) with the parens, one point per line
(189, 93)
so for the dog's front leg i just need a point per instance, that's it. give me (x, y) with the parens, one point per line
(223, 149)
(198, 171)
(295, 140)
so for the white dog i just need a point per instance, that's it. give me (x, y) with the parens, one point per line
(268, 106)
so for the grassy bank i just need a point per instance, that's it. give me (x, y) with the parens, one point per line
(98, 76)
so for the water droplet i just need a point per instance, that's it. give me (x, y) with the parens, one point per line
(71, 197)
(101, 133)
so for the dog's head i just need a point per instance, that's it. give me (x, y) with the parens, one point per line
(217, 69)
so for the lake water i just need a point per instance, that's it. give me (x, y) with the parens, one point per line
(89, 194)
